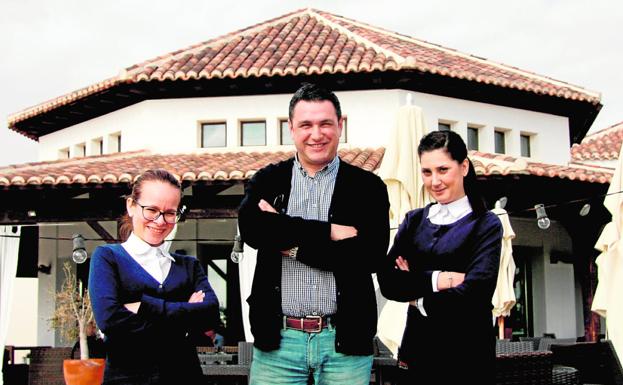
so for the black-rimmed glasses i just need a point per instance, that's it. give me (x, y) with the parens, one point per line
(152, 214)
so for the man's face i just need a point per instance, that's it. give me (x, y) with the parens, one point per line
(315, 131)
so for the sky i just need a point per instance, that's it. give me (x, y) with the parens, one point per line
(51, 47)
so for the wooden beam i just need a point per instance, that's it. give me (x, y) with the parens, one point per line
(101, 231)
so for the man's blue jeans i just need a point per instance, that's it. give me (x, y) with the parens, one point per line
(302, 353)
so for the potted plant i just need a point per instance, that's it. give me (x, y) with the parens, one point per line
(72, 315)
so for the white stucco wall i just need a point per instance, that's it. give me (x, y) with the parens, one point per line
(173, 125)
(23, 323)
(555, 294)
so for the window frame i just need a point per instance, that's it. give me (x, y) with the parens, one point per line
(343, 137)
(64, 153)
(444, 123)
(114, 142)
(80, 150)
(252, 121)
(496, 135)
(470, 128)
(280, 123)
(97, 146)
(202, 126)
(528, 137)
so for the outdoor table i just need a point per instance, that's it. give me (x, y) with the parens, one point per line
(565, 375)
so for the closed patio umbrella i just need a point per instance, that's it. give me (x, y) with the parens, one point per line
(610, 263)
(504, 296)
(400, 170)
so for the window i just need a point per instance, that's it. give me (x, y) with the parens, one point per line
(472, 138)
(214, 134)
(114, 143)
(253, 133)
(97, 146)
(80, 150)
(285, 137)
(444, 126)
(63, 153)
(500, 145)
(525, 145)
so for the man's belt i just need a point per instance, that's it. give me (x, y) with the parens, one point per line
(309, 324)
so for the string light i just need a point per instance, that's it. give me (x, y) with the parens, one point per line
(585, 209)
(583, 212)
(79, 254)
(541, 217)
(238, 249)
(501, 203)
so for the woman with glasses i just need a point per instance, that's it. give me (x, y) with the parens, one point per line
(146, 300)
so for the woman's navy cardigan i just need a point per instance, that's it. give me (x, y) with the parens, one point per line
(155, 340)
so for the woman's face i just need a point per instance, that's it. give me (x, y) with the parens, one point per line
(443, 176)
(157, 195)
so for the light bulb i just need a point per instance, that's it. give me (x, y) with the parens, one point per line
(543, 223)
(238, 249)
(501, 203)
(235, 257)
(79, 255)
(541, 217)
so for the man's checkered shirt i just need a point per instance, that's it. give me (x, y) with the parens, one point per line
(306, 290)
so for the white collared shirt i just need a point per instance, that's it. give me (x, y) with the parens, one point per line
(440, 214)
(156, 260)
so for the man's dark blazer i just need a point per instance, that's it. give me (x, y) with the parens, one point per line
(360, 200)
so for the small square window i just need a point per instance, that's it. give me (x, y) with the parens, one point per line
(285, 138)
(525, 145)
(472, 138)
(80, 150)
(214, 134)
(114, 143)
(63, 153)
(97, 146)
(443, 126)
(253, 133)
(500, 142)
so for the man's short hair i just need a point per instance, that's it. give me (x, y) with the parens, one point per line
(312, 93)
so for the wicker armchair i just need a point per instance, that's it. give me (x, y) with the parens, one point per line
(218, 366)
(510, 347)
(596, 362)
(46, 366)
(545, 343)
(535, 341)
(529, 368)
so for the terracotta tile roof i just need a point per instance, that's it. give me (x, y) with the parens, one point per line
(496, 164)
(124, 167)
(602, 145)
(309, 42)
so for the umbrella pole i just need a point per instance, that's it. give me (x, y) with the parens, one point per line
(501, 327)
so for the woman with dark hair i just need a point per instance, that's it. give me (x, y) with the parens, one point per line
(444, 262)
(146, 300)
